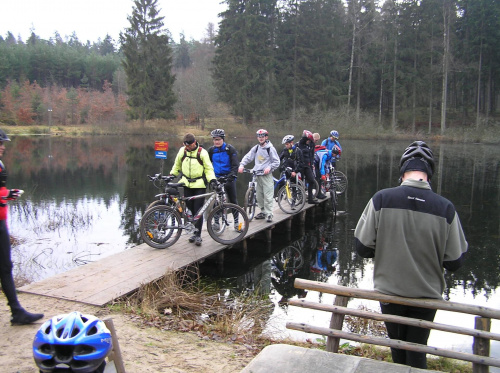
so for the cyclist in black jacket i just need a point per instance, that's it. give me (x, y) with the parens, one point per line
(291, 155)
(306, 145)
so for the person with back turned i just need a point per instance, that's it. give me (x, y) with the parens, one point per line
(413, 233)
(19, 315)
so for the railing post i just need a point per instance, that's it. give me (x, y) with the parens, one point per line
(481, 346)
(336, 322)
(115, 355)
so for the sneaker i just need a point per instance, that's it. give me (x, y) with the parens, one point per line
(269, 218)
(23, 317)
(216, 226)
(313, 201)
(237, 227)
(321, 196)
(192, 239)
(198, 241)
(260, 215)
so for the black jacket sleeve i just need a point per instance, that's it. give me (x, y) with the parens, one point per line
(362, 250)
(453, 265)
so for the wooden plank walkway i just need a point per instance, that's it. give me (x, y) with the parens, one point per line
(102, 281)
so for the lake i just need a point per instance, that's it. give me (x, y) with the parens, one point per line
(84, 199)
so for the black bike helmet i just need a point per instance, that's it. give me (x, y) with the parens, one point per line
(3, 136)
(218, 133)
(417, 150)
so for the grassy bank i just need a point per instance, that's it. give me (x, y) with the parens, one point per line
(322, 123)
(182, 301)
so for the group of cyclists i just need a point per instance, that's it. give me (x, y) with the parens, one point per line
(199, 167)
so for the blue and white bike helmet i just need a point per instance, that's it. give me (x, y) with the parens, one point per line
(287, 138)
(334, 134)
(74, 341)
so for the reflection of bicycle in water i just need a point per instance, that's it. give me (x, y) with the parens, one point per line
(287, 265)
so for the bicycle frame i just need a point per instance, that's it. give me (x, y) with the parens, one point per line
(208, 204)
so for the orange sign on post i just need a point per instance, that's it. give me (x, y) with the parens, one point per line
(161, 145)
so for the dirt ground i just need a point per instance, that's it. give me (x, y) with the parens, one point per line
(144, 349)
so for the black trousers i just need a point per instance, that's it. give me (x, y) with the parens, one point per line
(309, 176)
(6, 278)
(408, 333)
(195, 204)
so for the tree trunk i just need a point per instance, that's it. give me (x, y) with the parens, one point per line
(394, 87)
(380, 101)
(431, 85)
(353, 42)
(478, 102)
(446, 45)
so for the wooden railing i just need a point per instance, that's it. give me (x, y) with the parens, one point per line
(481, 346)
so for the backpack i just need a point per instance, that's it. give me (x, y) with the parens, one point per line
(198, 156)
(268, 150)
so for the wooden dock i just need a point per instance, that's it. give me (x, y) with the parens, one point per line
(100, 282)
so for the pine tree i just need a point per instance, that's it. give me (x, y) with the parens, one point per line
(148, 63)
(244, 61)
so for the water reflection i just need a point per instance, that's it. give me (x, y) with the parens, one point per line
(84, 198)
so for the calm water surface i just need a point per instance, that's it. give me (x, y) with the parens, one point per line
(84, 198)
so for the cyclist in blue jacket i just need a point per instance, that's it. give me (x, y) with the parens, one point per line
(331, 143)
(225, 160)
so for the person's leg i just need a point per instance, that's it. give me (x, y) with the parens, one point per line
(19, 315)
(395, 331)
(260, 193)
(268, 194)
(195, 205)
(310, 179)
(6, 278)
(418, 335)
(230, 189)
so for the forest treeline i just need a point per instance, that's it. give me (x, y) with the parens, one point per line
(407, 63)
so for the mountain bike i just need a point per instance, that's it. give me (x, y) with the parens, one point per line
(162, 225)
(251, 195)
(336, 184)
(291, 197)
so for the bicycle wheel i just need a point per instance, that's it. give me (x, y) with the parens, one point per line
(219, 221)
(340, 181)
(291, 200)
(250, 203)
(160, 227)
(234, 219)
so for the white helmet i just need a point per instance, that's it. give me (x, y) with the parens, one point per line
(287, 138)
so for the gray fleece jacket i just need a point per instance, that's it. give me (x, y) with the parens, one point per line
(264, 156)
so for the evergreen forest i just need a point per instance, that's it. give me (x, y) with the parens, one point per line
(408, 64)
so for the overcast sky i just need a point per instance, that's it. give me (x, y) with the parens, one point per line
(93, 19)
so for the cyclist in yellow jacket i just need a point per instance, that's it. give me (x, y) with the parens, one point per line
(193, 164)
